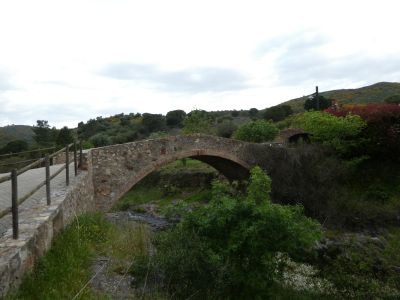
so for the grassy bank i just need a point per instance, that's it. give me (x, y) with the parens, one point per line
(64, 272)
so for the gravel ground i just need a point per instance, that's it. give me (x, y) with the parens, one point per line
(120, 285)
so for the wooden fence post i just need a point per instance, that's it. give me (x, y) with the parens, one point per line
(80, 155)
(14, 202)
(67, 165)
(47, 164)
(75, 160)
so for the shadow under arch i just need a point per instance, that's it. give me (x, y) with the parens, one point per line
(228, 165)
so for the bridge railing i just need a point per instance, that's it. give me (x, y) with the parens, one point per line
(13, 176)
(17, 160)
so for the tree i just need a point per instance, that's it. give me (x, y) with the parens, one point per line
(198, 121)
(64, 136)
(14, 147)
(226, 128)
(235, 113)
(278, 113)
(317, 103)
(175, 118)
(153, 122)
(44, 135)
(253, 112)
(257, 132)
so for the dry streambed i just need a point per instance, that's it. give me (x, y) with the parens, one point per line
(111, 274)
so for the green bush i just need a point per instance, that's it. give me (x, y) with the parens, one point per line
(100, 140)
(257, 132)
(198, 121)
(278, 112)
(232, 248)
(226, 129)
(340, 133)
(361, 267)
(175, 118)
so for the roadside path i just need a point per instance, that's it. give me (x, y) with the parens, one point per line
(26, 182)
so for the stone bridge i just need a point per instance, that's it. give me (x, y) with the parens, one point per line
(109, 172)
(117, 168)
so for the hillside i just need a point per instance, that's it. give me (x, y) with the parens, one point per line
(376, 93)
(15, 132)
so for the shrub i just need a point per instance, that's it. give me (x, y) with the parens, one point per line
(153, 122)
(14, 147)
(340, 133)
(226, 129)
(278, 113)
(175, 118)
(253, 112)
(198, 121)
(100, 140)
(382, 128)
(362, 267)
(232, 247)
(257, 132)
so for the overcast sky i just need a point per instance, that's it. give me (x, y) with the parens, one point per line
(69, 61)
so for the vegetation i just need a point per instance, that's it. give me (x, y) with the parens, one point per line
(64, 137)
(44, 135)
(198, 121)
(64, 271)
(394, 99)
(175, 118)
(361, 267)
(257, 132)
(317, 102)
(277, 113)
(233, 247)
(376, 93)
(233, 242)
(185, 180)
(15, 132)
(226, 128)
(253, 112)
(14, 146)
(340, 133)
(382, 130)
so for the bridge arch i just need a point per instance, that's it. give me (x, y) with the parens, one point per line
(230, 166)
(117, 168)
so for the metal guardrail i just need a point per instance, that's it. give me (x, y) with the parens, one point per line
(15, 201)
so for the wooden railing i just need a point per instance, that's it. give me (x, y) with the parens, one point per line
(15, 201)
(9, 161)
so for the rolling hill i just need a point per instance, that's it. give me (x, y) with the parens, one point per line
(15, 132)
(376, 93)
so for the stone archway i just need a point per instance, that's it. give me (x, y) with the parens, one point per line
(117, 168)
